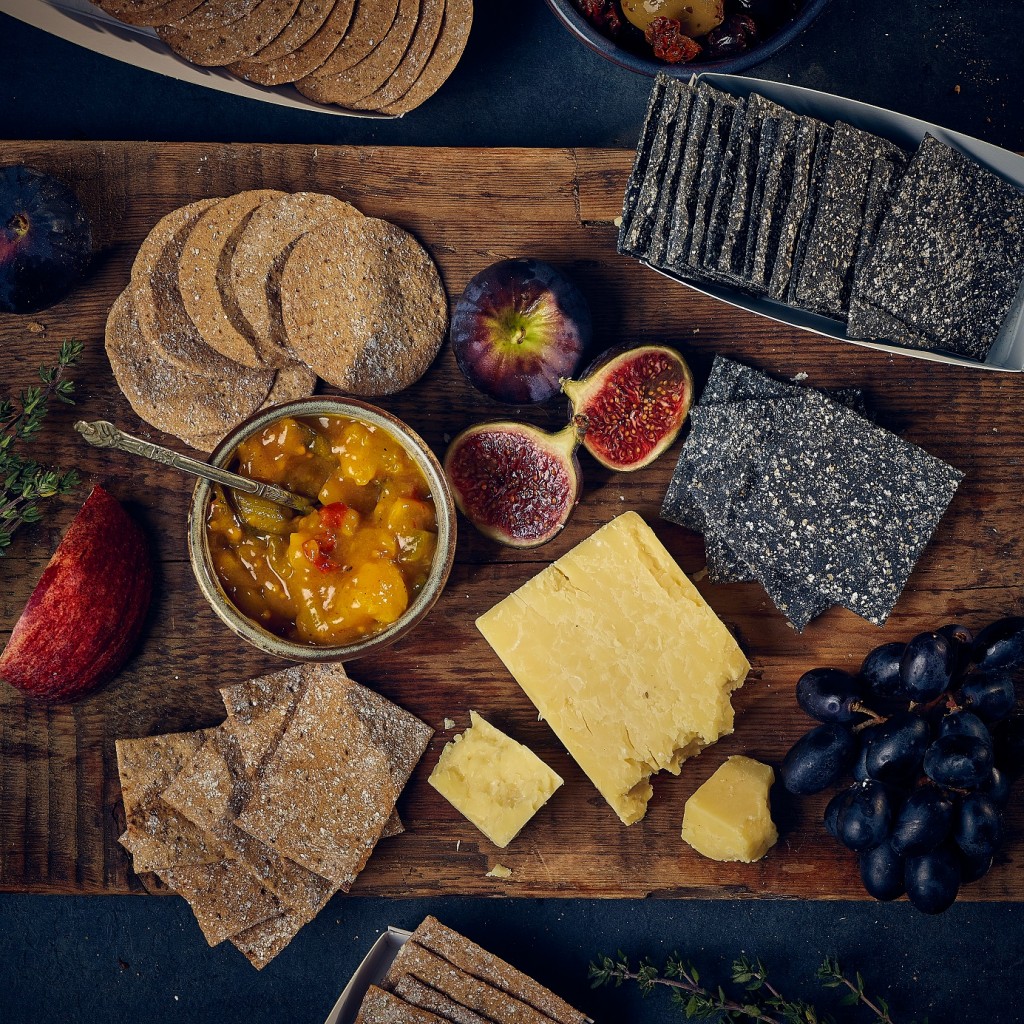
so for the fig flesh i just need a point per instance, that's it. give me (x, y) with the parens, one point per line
(519, 327)
(631, 406)
(45, 240)
(517, 484)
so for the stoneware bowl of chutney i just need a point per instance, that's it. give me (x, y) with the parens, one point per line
(356, 573)
(732, 35)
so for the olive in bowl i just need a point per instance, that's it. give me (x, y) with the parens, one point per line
(357, 572)
(682, 37)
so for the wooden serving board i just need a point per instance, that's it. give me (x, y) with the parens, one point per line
(60, 810)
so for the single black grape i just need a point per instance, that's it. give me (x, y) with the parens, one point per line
(882, 871)
(964, 723)
(832, 811)
(973, 868)
(859, 771)
(881, 670)
(895, 748)
(925, 820)
(960, 762)
(864, 817)
(961, 639)
(933, 880)
(818, 759)
(926, 667)
(829, 695)
(1000, 645)
(979, 826)
(997, 786)
(990, 697)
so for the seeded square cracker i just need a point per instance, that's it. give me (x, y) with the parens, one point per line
(381, 1007)
(416, 992)
(948, 259)
(329, 788)
(225, 898)
(462, 952)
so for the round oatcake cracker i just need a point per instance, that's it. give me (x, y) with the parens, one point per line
(412, 64)
(363, 305)
(309, 56)
(371, 22)
(256, 264)
(308, 17)
(148, 15)
(215, 47)
(167, 397)
(458, 19)
(214, 14)
(156, 300)
(203, 272)
(340, 82)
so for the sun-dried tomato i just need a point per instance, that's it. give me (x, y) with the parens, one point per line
(668, 42)
(603, 15)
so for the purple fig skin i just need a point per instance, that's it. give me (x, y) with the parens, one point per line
(515, 483)
(519, 327)
(84, 617)
(45, 240)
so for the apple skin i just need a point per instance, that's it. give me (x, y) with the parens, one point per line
(520, 326)
(84, 617)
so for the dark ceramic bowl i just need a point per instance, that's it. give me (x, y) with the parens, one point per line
(569, 15)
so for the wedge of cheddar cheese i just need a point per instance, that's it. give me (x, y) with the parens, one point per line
(623, 658)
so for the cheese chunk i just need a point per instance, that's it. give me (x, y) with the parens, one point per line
(623, 658)
(729, 817)
(497, 783)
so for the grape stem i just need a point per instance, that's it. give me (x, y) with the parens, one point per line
(874, 718)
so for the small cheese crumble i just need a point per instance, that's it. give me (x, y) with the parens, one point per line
(499, 871)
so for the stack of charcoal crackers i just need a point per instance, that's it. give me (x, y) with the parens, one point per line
(440, 976)
(259, 821)
(926, 250)
(801, 491)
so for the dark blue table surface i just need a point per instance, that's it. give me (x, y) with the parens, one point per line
(523, 82)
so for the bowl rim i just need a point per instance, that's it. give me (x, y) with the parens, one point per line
(572, 19)
(440, 569)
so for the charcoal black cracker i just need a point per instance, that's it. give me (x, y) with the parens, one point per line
(640, 161)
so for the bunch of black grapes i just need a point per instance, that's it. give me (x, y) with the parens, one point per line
(930, 734)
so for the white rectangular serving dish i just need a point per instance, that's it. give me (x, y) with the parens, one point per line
(370, 972)
(1007, 352)
(78, 21)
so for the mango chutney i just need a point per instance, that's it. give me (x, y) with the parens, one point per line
(348, 569)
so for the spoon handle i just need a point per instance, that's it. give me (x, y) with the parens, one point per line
(101, 434)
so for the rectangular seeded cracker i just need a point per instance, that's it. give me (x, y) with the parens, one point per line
(225, 898)
(414, 991)
(948, 258)
(157, 836)
(724, 108)
(490, 1001)
(640, 161)
(329, 788)
(735, 160)
(780, 264)
(827, 268)
(381, 1007)
(822, 149)
(458, 950)
(212, 791)
(842, 505)
(680, 200)
(886, 171)
(675, 110)
(262, 942)
(772, 190)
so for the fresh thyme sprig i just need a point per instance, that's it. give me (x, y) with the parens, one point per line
(699, 1002)
(24, 481)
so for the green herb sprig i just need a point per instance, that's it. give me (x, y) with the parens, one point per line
(760, 1000)
(25, 482)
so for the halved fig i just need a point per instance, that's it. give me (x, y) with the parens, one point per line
(630, 407)
(516, 483)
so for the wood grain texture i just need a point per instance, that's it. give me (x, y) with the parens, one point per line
(59, 796)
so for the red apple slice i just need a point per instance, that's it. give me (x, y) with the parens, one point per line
(84, 617)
